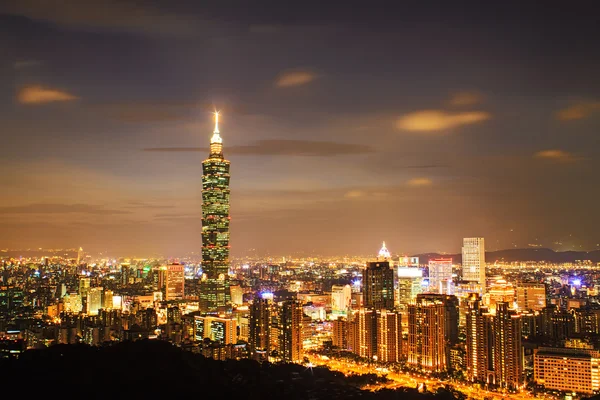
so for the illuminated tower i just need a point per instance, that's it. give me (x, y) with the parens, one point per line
(473, 261)
(214, 288)
(378, 282)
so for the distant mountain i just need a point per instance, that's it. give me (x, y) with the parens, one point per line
(510, 255)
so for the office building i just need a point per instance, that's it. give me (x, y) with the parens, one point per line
(175, 282)
(531, 296)
(214, 285)
(378, 285)
(341, 299)
(94, 300)
(221, 329)
(410, 284)
(84, 286)
(567, 369)
(440, 276)
(237, 295)
(473, 261)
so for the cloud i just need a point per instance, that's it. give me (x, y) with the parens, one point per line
(26, 64)
(352, 194)
(556, 155)
(466, 99)
(578, 111)
(438, 120)
(281, 147)
(295, 78)
(111, 15)
(40, 95)
(54, 208)
(419, 182)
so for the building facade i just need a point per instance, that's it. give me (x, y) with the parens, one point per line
(567, 369)
(473, 261)
(440, 276)
(378, 285)
(214, 293)
(175, 282)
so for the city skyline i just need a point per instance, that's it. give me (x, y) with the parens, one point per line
(346, 127)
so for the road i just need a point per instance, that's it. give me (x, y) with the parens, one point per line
(404, 379)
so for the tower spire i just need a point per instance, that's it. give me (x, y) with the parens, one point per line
(216, 138)
(216, 122)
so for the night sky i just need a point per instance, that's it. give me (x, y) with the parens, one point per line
(347, 123)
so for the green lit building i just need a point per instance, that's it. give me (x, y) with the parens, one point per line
(214, 285)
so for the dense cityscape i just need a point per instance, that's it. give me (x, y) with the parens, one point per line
(483, 328)
(300, 200)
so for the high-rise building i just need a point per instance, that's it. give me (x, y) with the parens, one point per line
(79, 256)
(432, 328)
(341, 299)
(410, 284)
(389, 336)
(291, 324)
(237, 295)
(175, 282)
(365, 337)
(378, 285)
(84, 286)
(94, 300)
(221, 329)
(473, 261)
(107, 299)
(494, 353)
(479, 340)
(508, 350)
(499, 291)
(340, 333)
(531, 296)
(440, 276)
(214, 287)
(260, 328)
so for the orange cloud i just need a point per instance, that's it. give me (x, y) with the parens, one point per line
(352, 194)
(438, 120)
(555, 155)
(419, 182)
(578, 111)
(295, 78)
(466, 99)
(41, 95)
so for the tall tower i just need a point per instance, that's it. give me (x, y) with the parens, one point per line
(378, 282)
(214, 287)
(473, 261)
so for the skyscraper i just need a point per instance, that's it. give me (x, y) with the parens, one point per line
(291, 322)
(260, 327)
(175, 282)
(432, 328)
(473, 261)
(389, 336)
(531, 296)
(378, 283)
(440, 276)
(214, 287)
(494, 351)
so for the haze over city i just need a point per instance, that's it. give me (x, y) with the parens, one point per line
(345, 125)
